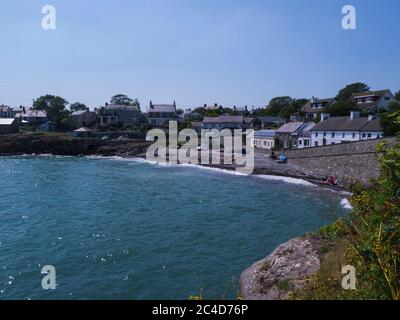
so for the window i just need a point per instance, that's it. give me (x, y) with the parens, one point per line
(316, 134)
(306, 143)
(354, 135)
(343, 135)
(333, 134)
(364, 135)
(369, 136)
(300, 142)
(316, 143)
(387, 98)
(324, 134)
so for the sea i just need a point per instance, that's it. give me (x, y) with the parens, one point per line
(115, 228)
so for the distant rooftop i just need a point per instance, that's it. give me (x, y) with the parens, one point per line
(347, 124)
(265, 134)
(290, 127)
(162, 108)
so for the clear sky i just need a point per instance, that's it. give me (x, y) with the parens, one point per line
(234, 52)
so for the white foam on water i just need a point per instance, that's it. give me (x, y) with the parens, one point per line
(286, 179)
(345, 203)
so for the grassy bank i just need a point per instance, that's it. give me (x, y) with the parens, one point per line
(368, 240)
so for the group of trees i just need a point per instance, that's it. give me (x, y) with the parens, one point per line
(58, 112)
(283, 106)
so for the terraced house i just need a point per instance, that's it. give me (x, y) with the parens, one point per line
(335, 130)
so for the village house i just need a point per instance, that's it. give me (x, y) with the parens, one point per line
(373, 101)
(264, 139)
(30, 116)
(336, 130)
(83, 118)
(114, 115)
(315, 107)
(288, 134)
(227, 122)
(6, 112)
(304, 135)
(161, 114)
(8, 125)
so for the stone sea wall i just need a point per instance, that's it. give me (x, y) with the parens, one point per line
(349, 162)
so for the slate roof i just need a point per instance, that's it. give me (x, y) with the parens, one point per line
(378, 93)
(271, 119)
(346, 124)
(265, 134)
(224, 119)
(290, 127)
(162, 108)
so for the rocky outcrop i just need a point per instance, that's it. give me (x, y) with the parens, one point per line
(282, 272)
(55, 144)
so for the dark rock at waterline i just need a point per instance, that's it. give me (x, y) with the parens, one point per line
(58, 144)
(282, 272)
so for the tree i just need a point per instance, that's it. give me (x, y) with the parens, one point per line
(54, 106)
(397, 95)
(390, 123)
(394, 106)
(346, 93)
(277, 104)
(341, 108)
(124, 100)
(77, 106)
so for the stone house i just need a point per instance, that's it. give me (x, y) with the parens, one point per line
(83, 118)
(161, 114)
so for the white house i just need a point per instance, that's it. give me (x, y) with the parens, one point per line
(373, 101)
(335, 130)
(264, 139)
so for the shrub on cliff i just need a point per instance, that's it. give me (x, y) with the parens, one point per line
(376, 220)
(369, 241)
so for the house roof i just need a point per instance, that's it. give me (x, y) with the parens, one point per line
(265, 134)
(290, 127)
(78, 113)
(271, 119)
(121, 107)
(162, 108)
(373, 125)
(224, 119)
(378, 93)
(6, 121)
(29, 113)
(347, 124)
(307, 107)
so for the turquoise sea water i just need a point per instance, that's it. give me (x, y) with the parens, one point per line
(124, 229)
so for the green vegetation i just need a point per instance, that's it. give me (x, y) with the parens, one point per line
(369, 240)
(341, 108)
(346, 93)
(124, 100)
(283, 107)
(77, 106)
(55, 108)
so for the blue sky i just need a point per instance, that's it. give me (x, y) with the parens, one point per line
(234, 52)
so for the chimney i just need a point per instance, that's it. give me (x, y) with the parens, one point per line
(324, 116)
(354, 115)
